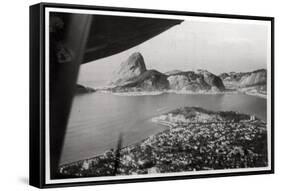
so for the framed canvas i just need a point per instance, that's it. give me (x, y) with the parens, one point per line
(122, 95)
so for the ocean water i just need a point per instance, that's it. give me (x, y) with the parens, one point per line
(97, 119)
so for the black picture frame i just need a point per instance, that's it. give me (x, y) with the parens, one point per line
(37, 172)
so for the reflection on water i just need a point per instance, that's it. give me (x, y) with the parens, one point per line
(97, 119)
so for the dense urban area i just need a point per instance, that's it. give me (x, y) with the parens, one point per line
(196, 139)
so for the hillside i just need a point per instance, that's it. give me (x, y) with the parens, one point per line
(195, 81)
(248, 82)
(150, 80)
(132, 75)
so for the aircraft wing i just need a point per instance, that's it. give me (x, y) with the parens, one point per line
(113, 34)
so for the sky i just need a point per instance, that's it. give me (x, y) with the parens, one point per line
(215, 46)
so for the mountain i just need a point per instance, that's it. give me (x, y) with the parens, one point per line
(129, 70)
(248, 82)
(150, 80)
(246, 79)
(195, 81)
(214, 81)
(132, 75)
(255, 78)
(188, 81)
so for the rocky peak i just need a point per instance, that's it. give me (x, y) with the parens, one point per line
(129, 70)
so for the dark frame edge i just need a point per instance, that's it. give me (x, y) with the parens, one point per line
(35, 98)
(158, 179)
(272, 22)
(154, 11)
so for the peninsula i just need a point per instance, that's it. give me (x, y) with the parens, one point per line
(195, 139)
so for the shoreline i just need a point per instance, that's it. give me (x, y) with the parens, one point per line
(176, 128)
(264, 96)
(182, 92)
(93, 157)
(142, 93)
(156, 120)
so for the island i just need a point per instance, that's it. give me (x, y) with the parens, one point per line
(195, 139)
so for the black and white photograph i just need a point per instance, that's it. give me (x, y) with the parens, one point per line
(140, 95)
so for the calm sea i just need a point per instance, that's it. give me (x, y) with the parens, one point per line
(97, 119)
